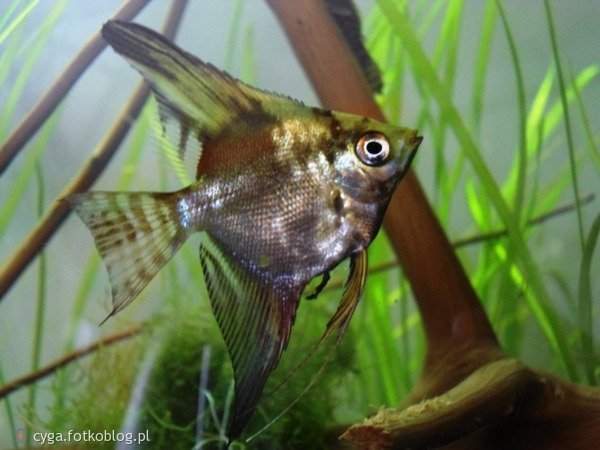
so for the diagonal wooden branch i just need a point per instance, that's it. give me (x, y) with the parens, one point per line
(36, 117)
(469, 394)
(73, 356)
(477, 238)
(88, 174)
(502, 404)
(450, 309)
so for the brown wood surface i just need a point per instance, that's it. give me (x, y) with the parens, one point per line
(495, 402)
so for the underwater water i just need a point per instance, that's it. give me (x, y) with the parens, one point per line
(56, 305)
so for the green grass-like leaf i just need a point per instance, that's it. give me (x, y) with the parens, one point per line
(536, 292)
(26, 175)
(8, 25)
(482, 61)
(567, 119)
(233, 34)
(522, 153)
(586, 309)
(10, 415)
(40, 308)
(32, 51)
(592, 142)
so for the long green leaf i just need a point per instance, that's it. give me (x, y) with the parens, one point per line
(40, 309)
(28, 64)
(234, 28)
(567, 119)
(537, 295)
(586, 309)
(540, 126)
(18, 20)
(555, 113)
(592, 144)
(26, 175)
(380, 332)
(522, 154)
(8, 12)
(9, 411)
(482, 61)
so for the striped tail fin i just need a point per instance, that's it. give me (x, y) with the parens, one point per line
(135, 233)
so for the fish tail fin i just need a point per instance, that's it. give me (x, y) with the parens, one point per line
(135, 234)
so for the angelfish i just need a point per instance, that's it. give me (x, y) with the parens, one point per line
(283, 194)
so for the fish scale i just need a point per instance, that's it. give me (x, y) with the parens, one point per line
(284, 193)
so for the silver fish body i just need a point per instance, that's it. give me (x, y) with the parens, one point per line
(284, 193)
(303, 204)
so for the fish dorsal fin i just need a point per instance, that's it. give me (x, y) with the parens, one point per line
(201, 99)
(255, 316)
(353, 290)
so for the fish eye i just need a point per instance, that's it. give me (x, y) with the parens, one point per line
(372, 148)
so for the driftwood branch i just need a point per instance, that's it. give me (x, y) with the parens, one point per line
(501, 405)
(36, 117)
(449, 306)
(477, 238)
(487, 394)
(469, 394)
(59, 210)
(67, 359)
(88, 174)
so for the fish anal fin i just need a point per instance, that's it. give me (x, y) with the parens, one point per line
(255, 315)
(339, 322)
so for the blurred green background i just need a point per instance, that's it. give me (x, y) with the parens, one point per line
(495, 122)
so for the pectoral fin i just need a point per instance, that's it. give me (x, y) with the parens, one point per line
(255, 316)
(320, 287)
(353, 290)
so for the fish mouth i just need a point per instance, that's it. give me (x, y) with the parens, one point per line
(413, 145)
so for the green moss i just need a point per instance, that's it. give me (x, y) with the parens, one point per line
(100, 389)
(172, 395)
(103, 386)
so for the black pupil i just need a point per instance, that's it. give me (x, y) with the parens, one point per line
(374, 147)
